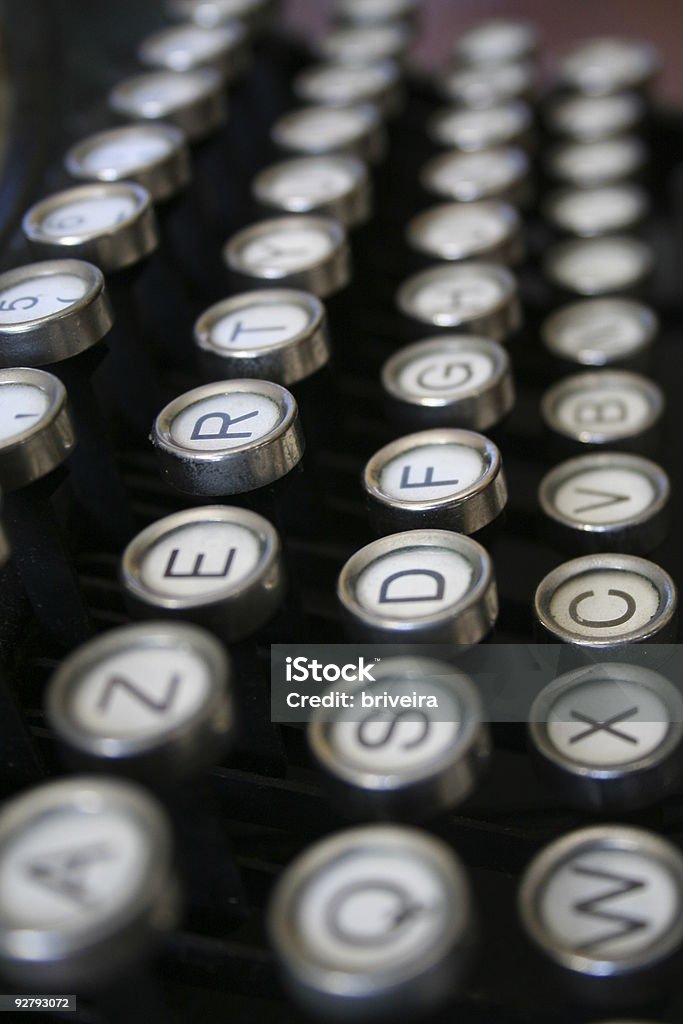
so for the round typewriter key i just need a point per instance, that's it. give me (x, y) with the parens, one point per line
(110, 224)
(373, 921)
(611, 500)
(374, 12)
(497, 41)
(447, 478)
(480, 88)
(606, 600)
(153, 155)
(491, 174)
(277, 334)
(599, 266)
(405, 762)
(228, 437)
(320, 130)
(591, 164)
(597, 332)
(365, 44)
(609, 737)
(298, 251)
(603, 407)
(471, 131)
(426, 586)
(254, 14)
(194, 101)
(604, 905)
(188, 46)
(346, 85)
(471, 297)
(451, 381)
(87, 886)
(36, 431)
(589, 118)
(589, 212)
(149, 700)
(334, 186)
(490, 230)
(218, 566)
(51, 311)
(599, 67)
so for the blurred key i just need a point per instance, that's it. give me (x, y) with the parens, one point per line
(348, 85)
(331, 186)
(186, 47)
(324, 130)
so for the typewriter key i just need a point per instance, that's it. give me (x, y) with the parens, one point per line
(228, 437)
(471, 131)
(609, 737)
(365, 44)
(153, 155)
(590, 118)
(451, 381)
(606, 600)
(609, 501)
(425, 586)
(403, 763)
(193, 101)
(324, 130)
(471, 297)
(373, 921)
(218, 566)
(599, 266)
(491, 174)
(332, 186)
(488, 230)
(497, 41)
(603, 407)
(451, 479)
(187, 47)
(87, 887)
(479, 88)
(347, 85)
(110, 224)
(275, 334)
(598, 332)
(374, 12)
(589, 212)
(591, 164)
(36, 430)
(150, 700)
(253, 14)
(604, 905)
(600, 67)
(296, 251)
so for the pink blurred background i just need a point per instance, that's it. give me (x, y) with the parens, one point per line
(562, 23)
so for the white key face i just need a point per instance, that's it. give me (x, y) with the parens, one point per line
(449, 372)
(224, 422)
(129, 149)
(479, 87)
(452, 300)
(431, 472)
(601, 264)
(85, 217)
(323, 127)
(185, 46)
(609, 904)
(606, 723)
(597, 330)
(372, 910)
(303, 184)
(40, 296)
(600, 210)
(201, 559)
(22, 408)
(343, 83)
(68, 870)
(472, 175)
(594, 117)
(609, 64)
(590, 162)
(605, 497)
(497, 42)
(213, 12)
(605, 603)
(482, 129)
(462, 230)
(274, 253)
(414, 583)
(605, 413)
(139, 693)
(375, 10)
(259, 326)
(365, 44)
(158, 93)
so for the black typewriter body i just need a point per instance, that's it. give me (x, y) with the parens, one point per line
(61, 59)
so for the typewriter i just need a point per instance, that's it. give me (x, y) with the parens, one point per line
(330, 392)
